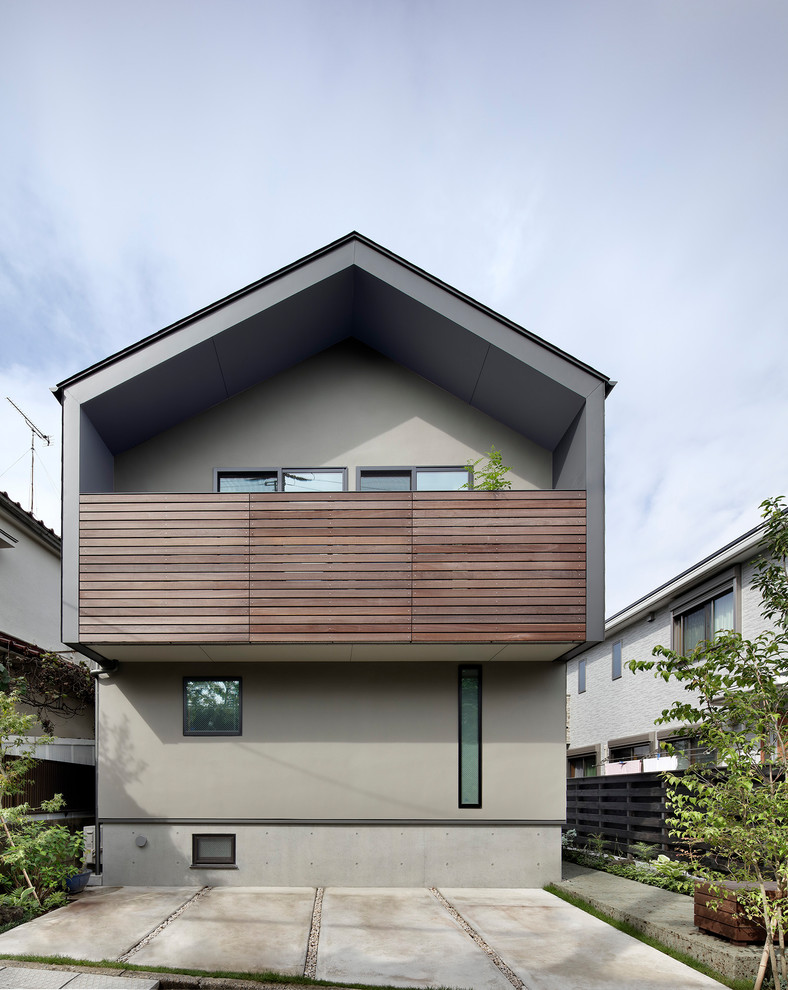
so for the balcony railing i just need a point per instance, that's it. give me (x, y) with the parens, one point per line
(410, 567)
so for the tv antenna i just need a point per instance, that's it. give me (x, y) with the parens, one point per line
(34, 432)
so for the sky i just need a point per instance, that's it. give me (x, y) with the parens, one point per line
(609, 174)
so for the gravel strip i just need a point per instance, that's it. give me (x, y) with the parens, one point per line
(510, 976)
(167, 921)
(310, 965)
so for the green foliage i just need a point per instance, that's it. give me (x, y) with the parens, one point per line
(735, 815)
(569, 838)
(36, 856)
(48, 853)
(681, 884)
(492, 476)
(643, 850)
(596, 842)
(48, 684)
(667, 867)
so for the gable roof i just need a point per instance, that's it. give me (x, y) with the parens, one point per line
(350, 288)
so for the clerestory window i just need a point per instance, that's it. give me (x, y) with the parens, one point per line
(282, 480)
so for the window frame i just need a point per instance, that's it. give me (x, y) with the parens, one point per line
(227, 862)
(617, 663)
(460, 673)
(280, 472)
(211, 734)
(413, 471)
(644, 745)
(701, 594)
(584, 759)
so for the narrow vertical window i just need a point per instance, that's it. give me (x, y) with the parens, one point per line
(616, 660)
(470, 732)
(581, 677)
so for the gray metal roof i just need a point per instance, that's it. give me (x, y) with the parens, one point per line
(351, 288)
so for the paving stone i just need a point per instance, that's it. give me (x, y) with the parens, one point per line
(17, 978)
(89, 981)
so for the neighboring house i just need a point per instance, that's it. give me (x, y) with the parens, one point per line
(325, 661)
(30, 627)
(610, 710)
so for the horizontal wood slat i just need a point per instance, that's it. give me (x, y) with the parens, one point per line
(150, 544)
(450, 592)
(340, 567)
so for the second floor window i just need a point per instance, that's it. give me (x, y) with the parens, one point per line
(703, 622)
(417, 479)
(617, 671)
(283, 480)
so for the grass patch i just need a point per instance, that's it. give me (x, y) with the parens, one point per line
(265, 977)
(628, 929)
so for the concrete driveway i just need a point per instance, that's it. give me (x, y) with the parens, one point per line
(407, 937)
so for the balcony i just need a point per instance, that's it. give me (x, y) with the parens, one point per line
(396, 568)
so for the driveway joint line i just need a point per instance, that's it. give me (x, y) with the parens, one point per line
(510, 975)
(124, 957)
(310, 963)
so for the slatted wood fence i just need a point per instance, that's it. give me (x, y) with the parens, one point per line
(335, 567)
(75, 781)
(622, 808)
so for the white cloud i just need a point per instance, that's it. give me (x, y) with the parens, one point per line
(610, 176)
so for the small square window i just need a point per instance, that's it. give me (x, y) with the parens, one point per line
(213, 849)
(617, 659)
(212, 706)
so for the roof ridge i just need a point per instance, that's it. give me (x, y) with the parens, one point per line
(18, 509)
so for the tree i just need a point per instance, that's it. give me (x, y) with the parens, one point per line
(491, 477)
(36, 856)
(733, 817)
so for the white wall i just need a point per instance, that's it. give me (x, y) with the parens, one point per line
(628, 706)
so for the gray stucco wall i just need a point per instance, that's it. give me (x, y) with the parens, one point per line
(332, 741)
(348, 407)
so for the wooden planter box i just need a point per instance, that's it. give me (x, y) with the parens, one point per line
(725, 919)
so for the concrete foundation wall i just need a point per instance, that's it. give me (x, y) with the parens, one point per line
(347, 855)
(346, 407)
(332, 741)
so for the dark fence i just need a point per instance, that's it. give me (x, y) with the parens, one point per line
(75, 781)
(624, 809)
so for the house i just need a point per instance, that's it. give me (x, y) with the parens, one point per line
(611, 710)
(29, 630)
(325, 660)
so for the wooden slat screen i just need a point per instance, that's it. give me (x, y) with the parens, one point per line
(499, 565)
(164, 568)
(336, 567)
(332, 567)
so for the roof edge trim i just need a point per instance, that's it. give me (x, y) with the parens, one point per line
(300, 263)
